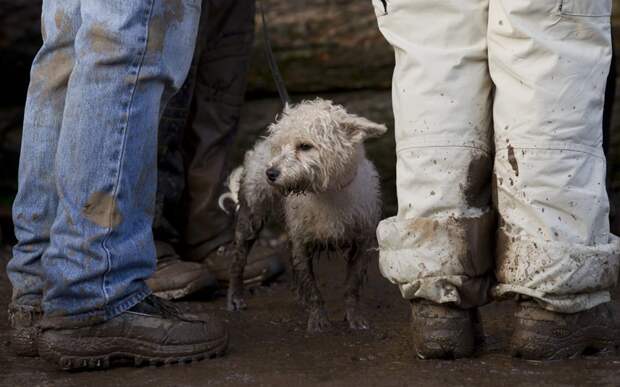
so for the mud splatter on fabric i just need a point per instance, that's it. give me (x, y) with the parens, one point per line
(513, 160)
(102, 209)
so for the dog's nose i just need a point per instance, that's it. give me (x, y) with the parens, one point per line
(272, 174)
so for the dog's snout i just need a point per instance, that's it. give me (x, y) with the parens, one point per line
(272, 174)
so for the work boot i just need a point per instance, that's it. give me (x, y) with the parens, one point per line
(441, 331)
(154, 332)
(176, 279)
(25, 331)
(543, 335)
(264, 264)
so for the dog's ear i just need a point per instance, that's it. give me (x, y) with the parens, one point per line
(358, 129)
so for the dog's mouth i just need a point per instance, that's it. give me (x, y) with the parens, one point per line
(291, 190)
(294, 192)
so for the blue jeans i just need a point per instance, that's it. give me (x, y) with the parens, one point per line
(88, 167)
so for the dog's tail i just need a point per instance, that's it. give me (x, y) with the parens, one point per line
(229, 201)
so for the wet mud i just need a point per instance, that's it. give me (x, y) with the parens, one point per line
(270, 347)
(513, 160)
(102, 209)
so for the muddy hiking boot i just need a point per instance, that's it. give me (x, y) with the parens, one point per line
(543, 335)
(25, 331)
(176, 279)
(443, 331)
(264, 264)
(154, 332)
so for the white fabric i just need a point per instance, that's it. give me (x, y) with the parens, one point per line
(498, 107)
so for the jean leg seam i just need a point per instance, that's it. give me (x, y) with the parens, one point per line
(147, 14)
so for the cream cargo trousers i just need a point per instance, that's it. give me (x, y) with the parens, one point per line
(500, 171)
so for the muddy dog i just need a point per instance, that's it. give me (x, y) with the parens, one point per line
(312, 172)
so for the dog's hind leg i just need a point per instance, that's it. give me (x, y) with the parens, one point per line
(307, 289)
(357, 266)
(247, 228)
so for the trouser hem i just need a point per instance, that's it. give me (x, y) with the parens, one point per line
(563, 277)
(27, 301)
(443, 260)
(97, 316)
(572, 303)
(462, 291)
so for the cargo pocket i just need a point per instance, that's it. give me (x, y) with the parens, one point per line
(586, 8)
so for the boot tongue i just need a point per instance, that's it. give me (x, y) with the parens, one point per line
(153, 305)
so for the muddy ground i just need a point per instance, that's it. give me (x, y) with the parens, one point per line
(269, 347)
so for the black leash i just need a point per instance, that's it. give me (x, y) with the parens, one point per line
(273, 64)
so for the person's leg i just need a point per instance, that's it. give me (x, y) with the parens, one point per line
(221, 80)
(170, 168)
(175, 277)
(549, 61)
(34, 209)
(438, 247)
(97, 309)
(131, 56)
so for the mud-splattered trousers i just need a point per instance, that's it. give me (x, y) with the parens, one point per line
(87, 178)
(197, 130)
(500, 168)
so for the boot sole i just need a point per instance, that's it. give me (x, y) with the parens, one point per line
(192, 287)
(104, 353)
(23, 341)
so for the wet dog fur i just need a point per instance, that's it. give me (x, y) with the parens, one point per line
(311, 172)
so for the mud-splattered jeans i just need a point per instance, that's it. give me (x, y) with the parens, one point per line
(500, 171)
(87, 177)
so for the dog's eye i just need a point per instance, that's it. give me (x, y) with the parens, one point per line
(305, 146)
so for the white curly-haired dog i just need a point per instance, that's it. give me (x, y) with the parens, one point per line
(311, 171)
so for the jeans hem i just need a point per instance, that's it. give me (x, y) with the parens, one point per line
(27, 301)
(114, 310)
(96, 316)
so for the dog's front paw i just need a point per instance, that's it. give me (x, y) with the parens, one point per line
(318, 322)
(356, 320)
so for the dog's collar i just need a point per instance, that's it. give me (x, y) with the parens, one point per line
(349, 182)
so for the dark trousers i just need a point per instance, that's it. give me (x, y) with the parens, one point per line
(197, 130)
